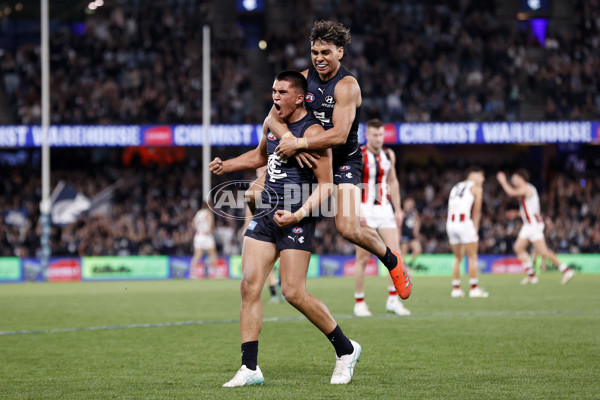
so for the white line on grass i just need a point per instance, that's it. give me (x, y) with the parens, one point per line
(300, 318)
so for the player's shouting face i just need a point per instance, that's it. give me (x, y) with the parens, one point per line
(286, 98)
(326, 57)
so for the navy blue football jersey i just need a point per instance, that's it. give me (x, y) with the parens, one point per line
(320, 101)
(284, 177)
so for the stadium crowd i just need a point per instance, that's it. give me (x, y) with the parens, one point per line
(141, 65)
(416, 63)
(455, 61)
(152, 208)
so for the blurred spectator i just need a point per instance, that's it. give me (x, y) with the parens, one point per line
(416, 62)
(133, 65)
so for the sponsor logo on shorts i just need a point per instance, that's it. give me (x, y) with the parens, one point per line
(252, 225)
(345, 168)
(297, 229)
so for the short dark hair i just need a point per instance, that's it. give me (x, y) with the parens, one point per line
(374, 123)
(474, 168)
(330, 32)
(523, 173)
(295, 78)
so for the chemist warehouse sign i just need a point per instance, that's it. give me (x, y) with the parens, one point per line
(250, 134)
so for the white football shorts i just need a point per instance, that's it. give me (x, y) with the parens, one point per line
(204, 242)
(378, 216)
(532, 232)
(461, 232)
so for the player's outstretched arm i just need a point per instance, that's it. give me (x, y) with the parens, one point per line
(252, 159)
(510, 189)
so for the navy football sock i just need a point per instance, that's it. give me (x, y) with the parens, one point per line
(340, 342)
(250, 354)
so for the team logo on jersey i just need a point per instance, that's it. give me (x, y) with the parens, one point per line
(270, 136)
(345, 168)
(297, 229)
(309, 97)
(329, 100)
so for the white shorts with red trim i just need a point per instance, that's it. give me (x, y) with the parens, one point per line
(204, 242)
(532, 232)
(461, 232)
(378, 216)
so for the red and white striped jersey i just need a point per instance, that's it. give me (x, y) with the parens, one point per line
(461, 201)
(376, 168)
(530, 207)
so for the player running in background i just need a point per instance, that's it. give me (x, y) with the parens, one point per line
(334, 97)
(281, 233)
(532, 231)
(203, 240)
(411, 228)
(379, 185)
(464, 215)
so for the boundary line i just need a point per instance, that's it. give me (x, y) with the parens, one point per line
(299, 318)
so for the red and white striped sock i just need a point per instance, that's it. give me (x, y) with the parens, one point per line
(392, 292)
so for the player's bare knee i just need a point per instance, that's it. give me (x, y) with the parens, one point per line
(248, 290)
(349, 232)
(292, 295)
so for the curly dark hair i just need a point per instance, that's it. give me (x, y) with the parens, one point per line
(330, 32)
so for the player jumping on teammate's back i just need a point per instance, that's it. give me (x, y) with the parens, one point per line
(334, 97)
(532, 231)
(286, 231)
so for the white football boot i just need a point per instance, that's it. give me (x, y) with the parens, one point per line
(530, 280)
(361, 309)
(478, 292)
(344, 365)
(457, 293)
(246, 377)
(394, 305)
(567, 275)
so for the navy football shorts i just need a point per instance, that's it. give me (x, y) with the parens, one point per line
(298, 236)
(348, 169)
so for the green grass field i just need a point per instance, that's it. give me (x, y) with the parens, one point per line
(534, 342)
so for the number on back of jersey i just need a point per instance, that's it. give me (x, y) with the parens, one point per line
(458, 190)
(321, 117)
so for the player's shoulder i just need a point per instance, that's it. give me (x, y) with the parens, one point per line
(347, 89)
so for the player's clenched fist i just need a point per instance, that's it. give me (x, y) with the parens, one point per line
(501, 176)
(216, 166)
(284, 218)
